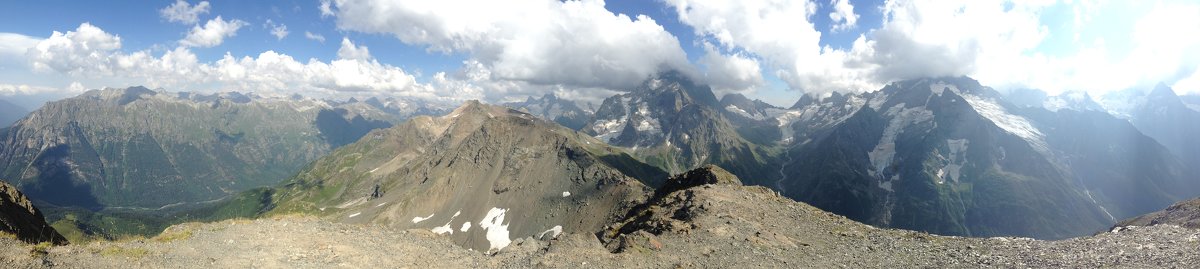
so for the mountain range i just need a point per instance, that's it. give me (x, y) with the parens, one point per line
(136, 147)
(940, 155)
(561, 111)
(136, 155)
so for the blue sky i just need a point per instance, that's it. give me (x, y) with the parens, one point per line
(773, 50)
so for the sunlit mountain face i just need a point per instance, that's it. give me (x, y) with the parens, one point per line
(539, 131)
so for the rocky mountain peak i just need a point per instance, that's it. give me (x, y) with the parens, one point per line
(122, 96)
(1077, 100)
(674, 82)
(1163, 95)
(475, 108)
(550, 107)
(805, 100)
(734, 98)
(938, 85)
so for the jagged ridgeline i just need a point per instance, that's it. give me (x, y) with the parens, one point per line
(137, 148)
(675, 123)
(550, 107)
(482, 175)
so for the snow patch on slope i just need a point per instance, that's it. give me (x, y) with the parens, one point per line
(885, 150)
(785, 119)
(817, 115)
(445, 229)
(954, 163)
(1012, 124)
(420, 219)
(554, 232)
(743, 113)
(941, 86)
(497, 231)
(648, 124)
(609, 129)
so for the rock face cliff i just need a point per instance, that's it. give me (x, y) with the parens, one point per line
(20, 218)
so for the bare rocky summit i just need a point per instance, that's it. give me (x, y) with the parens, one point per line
(710, 225)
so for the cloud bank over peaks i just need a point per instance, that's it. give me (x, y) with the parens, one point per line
(1002, 43)
(732, 72)
(90, 53)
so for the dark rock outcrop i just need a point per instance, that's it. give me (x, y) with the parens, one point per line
(704, 175)
(20, 218)
(644, 221)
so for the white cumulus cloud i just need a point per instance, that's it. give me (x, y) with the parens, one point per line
(315, 37)
(213, 33)
(75, 52)
(184, 13)
(89, 52)
(917, 39)
(730, 73)
(278, 30)
(940, 38)
(780, 33)
(578, 43)
(325, 9)
(1105, 46)
(351, 52)
(843, 16)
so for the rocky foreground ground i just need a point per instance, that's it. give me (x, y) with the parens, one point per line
(720, 226)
